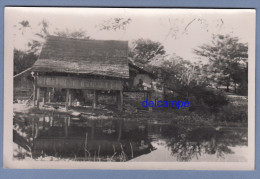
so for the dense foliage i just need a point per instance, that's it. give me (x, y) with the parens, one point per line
(228, 60)
(200, 82)
(145, 50)
(23, 60)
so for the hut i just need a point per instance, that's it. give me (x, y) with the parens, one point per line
(139, 86)
(71, 64)
(140, 78)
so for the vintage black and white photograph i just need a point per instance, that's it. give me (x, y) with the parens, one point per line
(122, 88)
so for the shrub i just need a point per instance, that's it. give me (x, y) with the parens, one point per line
(213, 99)
(200, 98)
(231, 113)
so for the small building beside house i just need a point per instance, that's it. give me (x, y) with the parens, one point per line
(140, 78)
(139, 87)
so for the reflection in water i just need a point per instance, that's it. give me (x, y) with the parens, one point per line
(188, 142)
(79, 138)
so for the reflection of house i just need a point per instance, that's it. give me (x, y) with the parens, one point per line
(23, 85)
(78, 66)
(61, 134)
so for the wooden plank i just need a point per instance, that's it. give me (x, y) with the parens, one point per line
(79, 83)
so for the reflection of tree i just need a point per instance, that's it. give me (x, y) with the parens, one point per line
(183, 150)
(186, 142)
(23, 125)
(27, 126)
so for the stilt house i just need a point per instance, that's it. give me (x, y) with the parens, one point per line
(80, 64)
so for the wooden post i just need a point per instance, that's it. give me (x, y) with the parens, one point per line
(38, 97)
(95, 99)
(49, 123)
(49, 95)
(120, 100)
(52, 120)
(70, 98)
(36, 129)
(43, 123)
(69, 121)
(35, 90)
(67, 100)
(44, 96)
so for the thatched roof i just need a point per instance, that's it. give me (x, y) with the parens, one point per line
(139, 69)
(93, 57)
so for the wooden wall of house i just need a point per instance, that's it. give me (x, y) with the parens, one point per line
(78, 83)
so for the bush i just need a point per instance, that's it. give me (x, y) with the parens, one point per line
(243, 88)
(200, 98)
(213, 99)
(230, 113)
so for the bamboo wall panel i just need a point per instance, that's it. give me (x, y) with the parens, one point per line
(78, 83)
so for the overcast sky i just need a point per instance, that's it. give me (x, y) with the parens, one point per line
(179, 30)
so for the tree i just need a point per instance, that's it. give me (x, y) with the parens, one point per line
(23, 26)
(23, 60)
(78, 34)
(114, 24)
(227, 58)
(35, 44)
(178, 75)
(186, 80)
(145, 50)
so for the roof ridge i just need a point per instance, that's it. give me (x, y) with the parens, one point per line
(85, 39)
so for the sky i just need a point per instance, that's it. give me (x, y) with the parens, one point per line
(179, 30)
